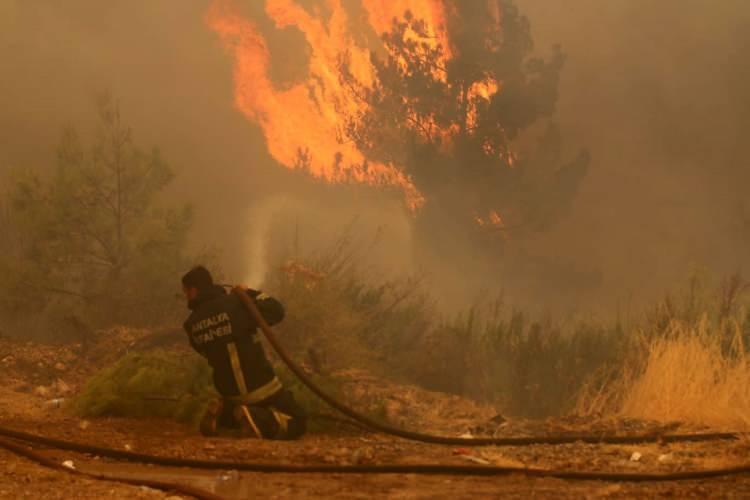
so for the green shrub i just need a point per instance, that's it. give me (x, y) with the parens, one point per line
(136, 384)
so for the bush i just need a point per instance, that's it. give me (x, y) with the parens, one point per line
(338, 316)
(133, 386)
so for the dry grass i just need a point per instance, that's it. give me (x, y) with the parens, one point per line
(689, 375)
(685, 360)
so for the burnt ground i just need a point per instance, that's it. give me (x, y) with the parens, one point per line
(33, 374)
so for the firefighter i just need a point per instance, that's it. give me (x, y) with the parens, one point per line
(221, 329)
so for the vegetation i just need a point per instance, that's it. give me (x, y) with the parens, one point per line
(688, 377)
(157, 383)
(684, 359)
(687, 361)
(95, 237)
(341, 317)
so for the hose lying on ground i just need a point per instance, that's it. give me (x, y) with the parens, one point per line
(158, 485)
(427, 469)
(428, 438)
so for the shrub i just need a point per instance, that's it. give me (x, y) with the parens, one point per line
(133, 386)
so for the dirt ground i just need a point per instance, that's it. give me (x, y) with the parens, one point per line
(26, 368)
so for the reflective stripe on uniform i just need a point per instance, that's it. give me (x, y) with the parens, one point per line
(248, 416)
(239, 377)
(259, 394)
(283, 421)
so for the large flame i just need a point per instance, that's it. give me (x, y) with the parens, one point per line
(302, 124)
(382, 12)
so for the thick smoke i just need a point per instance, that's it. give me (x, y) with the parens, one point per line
(659, 92)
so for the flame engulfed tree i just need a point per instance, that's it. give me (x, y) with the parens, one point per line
(451, 118)
(438, 99)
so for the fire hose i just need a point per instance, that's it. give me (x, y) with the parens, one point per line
(432, 469)
(158, 485)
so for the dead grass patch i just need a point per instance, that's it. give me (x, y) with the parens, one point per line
(690, 374)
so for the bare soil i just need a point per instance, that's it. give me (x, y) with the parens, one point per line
(60, 371)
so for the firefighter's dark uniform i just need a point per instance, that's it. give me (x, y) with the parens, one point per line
(222, 330)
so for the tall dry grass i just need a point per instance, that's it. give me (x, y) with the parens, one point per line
(691, 375)
(685, 359)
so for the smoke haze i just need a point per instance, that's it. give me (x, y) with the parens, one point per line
(659, 92)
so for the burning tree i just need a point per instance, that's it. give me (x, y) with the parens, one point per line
(433, 97)
(451, 117)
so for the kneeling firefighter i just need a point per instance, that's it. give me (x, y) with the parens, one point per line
(223, 331)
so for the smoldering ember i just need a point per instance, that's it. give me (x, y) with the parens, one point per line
(374, 249)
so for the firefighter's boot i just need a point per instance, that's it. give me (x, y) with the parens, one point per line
(210, 421)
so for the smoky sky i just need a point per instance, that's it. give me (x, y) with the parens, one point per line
(657, 91)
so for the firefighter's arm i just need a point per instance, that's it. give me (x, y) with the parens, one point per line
(271, 309)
